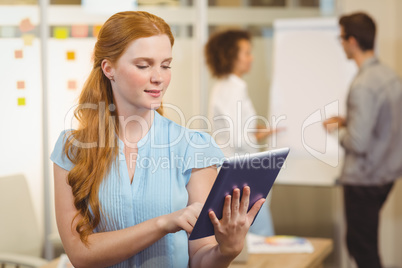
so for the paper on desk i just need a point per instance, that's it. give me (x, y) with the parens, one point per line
(278, 244)
(64, 262)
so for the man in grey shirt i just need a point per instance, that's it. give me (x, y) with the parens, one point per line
(371, 135)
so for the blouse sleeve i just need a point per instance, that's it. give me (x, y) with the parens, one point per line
(58, 156)
(201, 151)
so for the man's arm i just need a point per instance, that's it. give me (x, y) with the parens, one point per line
(362, 115)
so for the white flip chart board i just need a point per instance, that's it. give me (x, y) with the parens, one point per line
(311, 77)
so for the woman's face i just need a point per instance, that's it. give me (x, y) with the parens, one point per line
(244, 58)
(142, 74)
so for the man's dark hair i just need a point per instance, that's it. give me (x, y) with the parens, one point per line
(362, 27)
(222, 49)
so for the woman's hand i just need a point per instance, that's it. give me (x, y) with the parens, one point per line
(263, 132)
(333, 123)
(231, 230)
(183, 219)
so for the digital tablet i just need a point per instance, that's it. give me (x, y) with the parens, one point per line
(258, 171)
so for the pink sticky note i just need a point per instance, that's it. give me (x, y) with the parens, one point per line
(72, 84)
(79, 31)
(26, 25)
(20, 84)
(18, 54)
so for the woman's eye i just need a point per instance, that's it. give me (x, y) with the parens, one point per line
(166, 67)
(142, 66)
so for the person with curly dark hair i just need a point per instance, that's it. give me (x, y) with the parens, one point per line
(228, 56)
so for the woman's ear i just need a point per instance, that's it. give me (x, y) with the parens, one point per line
(108, 69)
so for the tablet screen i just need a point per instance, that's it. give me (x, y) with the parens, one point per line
(258, 171)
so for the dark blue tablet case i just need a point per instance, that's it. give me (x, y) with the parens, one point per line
(258, 171)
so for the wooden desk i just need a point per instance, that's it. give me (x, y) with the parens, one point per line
(322, 248)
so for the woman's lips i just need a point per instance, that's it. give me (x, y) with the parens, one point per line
(153, 92)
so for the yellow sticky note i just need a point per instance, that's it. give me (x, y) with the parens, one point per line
(20, 84)
(28, 39)
(26, 25)
(21, 101)
(61, 32)
(70, 55)
(95, 30)
(79, 31)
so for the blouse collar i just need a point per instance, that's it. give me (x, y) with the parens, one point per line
(239, 81)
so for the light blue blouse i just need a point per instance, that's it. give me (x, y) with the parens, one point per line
(166, 156)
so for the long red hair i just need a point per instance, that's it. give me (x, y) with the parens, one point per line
(92, 163)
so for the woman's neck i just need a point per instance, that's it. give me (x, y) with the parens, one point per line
(238, 74)
(133, 127)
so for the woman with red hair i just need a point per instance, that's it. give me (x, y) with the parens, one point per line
(130, 183)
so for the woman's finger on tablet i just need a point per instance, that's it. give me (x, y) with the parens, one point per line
(215, 221)
(245, 200)
(254, 209)
(226, 212)
(235, 202)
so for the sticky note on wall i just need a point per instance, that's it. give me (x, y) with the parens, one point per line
(70, 55)
(72, 84)
(26, 25)
(79, 31)
(18, 54)
(21, 101)
(20, 84)
(28, 39)
(95, 30)
(61, 32)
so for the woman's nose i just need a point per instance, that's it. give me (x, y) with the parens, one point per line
(156, 76)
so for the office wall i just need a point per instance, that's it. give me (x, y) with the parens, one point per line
(398, 191)
(398, 36)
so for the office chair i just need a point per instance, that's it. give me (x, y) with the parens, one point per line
(20, 239)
